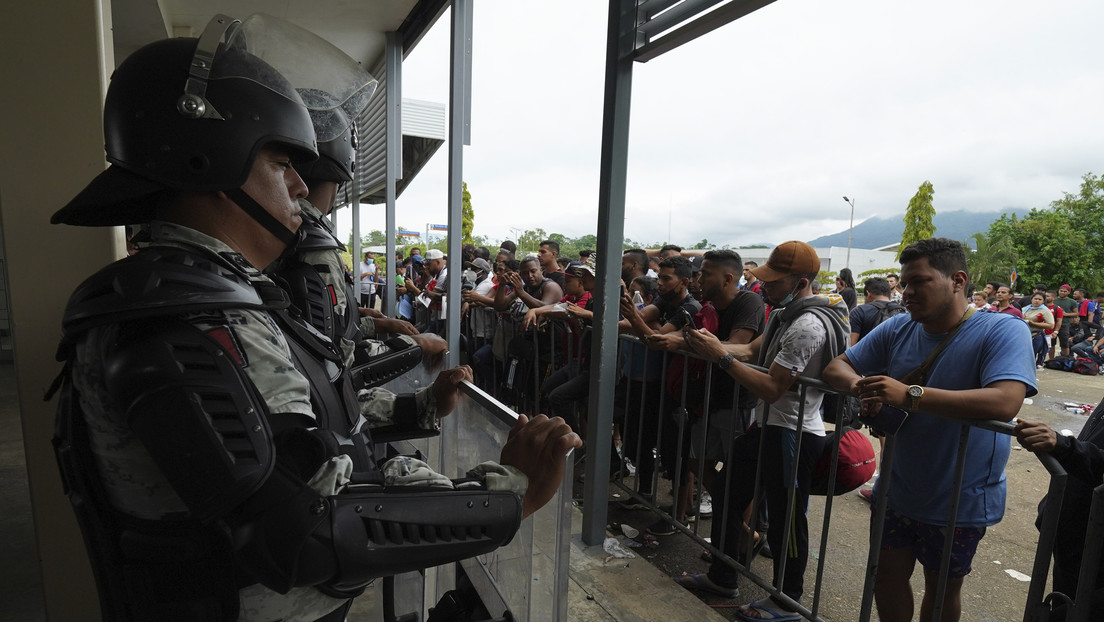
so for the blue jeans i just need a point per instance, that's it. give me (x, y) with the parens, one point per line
(1085, 349)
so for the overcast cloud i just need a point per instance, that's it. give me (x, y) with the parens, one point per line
(754, 132)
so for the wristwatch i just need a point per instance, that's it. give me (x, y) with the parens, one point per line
(725, 361)
(915, 392)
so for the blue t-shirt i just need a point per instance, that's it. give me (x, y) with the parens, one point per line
(989, 347)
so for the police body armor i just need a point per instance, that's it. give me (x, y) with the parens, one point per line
(240, 470)
(316, 299)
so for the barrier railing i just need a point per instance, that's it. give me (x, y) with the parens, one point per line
(655, 420)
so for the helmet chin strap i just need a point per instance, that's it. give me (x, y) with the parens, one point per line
(268, 221)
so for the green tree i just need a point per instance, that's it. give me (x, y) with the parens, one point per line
(529, 241)
(1085, 211)
(1049, 249)
(918, 217)
(467, 215)
(703, 245)
(993, 257)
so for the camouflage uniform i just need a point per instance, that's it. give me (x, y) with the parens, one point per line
(136, 486)
(332, 271)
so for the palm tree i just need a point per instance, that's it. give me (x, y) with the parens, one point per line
(992, 259)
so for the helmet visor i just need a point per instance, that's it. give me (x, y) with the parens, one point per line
(310, 63)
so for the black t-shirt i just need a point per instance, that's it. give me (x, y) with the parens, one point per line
(557, 277)
(669, 312)
(745, 311)
(850, 297)
(865, 317)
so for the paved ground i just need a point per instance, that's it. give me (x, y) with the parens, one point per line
(991, 592)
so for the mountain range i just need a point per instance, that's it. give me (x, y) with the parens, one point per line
(877, 231)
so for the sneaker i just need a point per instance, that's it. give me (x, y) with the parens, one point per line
(867, 493)
(705, 507)
(633, 504)
(670, 510)
(662, 527)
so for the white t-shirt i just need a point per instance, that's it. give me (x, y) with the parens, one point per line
(367, 284)
(483, 318)
(802, 352)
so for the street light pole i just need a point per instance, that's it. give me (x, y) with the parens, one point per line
(850, 229)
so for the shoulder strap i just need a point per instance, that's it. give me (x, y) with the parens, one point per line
(920, 374)
(157, 282)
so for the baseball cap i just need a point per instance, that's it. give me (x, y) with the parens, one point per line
(433, 253)
(696, 263)
(417, 259)
(479, 264)
(788, 258)
(589, 266)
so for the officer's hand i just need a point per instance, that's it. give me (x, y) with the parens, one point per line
(397, 326)
(433, 349)
(1036, 436)
(366, 312)
(537, 447)
(446, 388)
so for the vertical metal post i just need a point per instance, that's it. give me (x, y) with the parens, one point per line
(458, 136)
(393, 63)
(620, 39)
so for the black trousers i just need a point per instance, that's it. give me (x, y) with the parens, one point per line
(778, 479)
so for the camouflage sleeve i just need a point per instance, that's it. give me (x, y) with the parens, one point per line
(383, 409)
(407, 471)
(368, 327)
(500, 477)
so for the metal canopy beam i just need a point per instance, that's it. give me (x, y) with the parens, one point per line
(657, 38)
(620, 39)
(626, 42)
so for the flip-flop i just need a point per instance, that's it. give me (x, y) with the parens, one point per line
(703, 583)
(764, 609)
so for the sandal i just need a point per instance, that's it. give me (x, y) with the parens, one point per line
(764, 609)
(703, 583)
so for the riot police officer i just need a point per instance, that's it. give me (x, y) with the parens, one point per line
(206, 481)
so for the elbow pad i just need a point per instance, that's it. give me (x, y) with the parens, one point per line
(341, 543)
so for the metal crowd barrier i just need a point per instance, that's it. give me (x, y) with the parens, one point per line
(1037, 604)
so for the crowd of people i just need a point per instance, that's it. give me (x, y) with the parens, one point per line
(729, 313)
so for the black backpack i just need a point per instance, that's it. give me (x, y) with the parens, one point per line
(886, 311)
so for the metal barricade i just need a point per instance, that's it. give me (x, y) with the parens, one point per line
(1034, 606)
(670, 442)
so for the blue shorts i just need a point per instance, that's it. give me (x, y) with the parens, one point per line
(926, 542)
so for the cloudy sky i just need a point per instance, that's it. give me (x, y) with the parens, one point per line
(755, 132)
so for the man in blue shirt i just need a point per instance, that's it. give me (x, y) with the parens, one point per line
(984, 372)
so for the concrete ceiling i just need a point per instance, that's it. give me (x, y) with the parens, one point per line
(355, 26)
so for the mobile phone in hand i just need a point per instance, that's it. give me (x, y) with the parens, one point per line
(888, 420)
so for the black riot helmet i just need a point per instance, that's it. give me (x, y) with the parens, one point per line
(188, 114)
(337, 140)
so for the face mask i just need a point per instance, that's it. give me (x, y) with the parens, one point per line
(788, 299)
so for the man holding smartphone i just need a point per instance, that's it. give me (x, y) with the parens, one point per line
(803, 334)
(984, 372)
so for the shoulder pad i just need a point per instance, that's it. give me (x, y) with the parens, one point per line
(158, 281)
(317, 236)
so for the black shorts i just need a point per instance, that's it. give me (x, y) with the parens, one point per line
(1064, 335)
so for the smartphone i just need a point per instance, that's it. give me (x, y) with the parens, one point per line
(888, 420)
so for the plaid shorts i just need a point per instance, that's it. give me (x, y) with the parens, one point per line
(926, 542)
